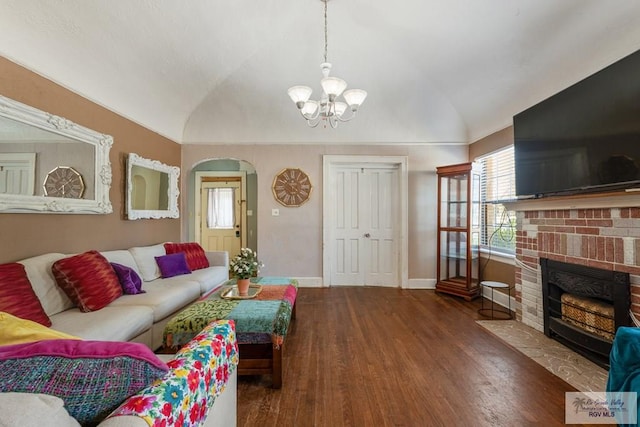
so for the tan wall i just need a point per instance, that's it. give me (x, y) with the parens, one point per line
(24, 235)
(498, 271)
(291, 243)
(491, 143)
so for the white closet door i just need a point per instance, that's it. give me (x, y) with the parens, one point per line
(366, 226)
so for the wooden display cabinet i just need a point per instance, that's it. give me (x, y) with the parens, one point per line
(459, 230)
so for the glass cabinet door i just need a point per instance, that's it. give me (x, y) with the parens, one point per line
(453, 256)
(453, 202)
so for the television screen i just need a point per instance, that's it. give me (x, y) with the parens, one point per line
(583, 139)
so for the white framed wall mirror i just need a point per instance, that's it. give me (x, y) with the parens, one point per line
(49, 164)
(152, 189)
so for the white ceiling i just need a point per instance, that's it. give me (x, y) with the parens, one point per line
(208, 71)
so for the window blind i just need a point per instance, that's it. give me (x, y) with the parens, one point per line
(498, 184)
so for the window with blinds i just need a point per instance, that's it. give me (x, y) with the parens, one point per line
(498, 182)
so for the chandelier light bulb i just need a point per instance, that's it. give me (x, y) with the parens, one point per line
(310, 108)
(299, 94)
(333, 86)
(354, 97)
(340, 108)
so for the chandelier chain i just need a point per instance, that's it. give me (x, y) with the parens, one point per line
(326, 43)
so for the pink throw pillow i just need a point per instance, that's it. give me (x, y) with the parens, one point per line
(196, 258)
(17, 296)
(88, 280)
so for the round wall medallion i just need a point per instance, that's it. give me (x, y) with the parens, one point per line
(291, 187)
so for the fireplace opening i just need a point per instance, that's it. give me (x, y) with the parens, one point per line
(584, 306)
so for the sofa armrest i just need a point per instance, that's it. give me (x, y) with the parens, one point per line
(198, 374)
(218, 258)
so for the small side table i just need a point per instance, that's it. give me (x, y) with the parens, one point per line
(495, 313)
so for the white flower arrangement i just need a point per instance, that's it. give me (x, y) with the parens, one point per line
(245, 264)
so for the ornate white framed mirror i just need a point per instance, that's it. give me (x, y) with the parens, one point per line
(49, 164)
(152, 189)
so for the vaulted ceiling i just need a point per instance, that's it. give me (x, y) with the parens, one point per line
(208, 71)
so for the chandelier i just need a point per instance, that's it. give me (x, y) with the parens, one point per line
(328, 110)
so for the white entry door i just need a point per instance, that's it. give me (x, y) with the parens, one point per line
(221, 216)
(366, 226)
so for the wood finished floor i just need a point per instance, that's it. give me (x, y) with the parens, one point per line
(391, 357)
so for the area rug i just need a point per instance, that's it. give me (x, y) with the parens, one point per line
(561, 361)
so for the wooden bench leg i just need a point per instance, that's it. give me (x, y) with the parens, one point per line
(276, 367)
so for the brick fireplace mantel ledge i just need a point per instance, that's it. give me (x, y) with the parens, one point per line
(623, 199)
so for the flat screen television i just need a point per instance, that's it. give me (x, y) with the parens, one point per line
(583, 139)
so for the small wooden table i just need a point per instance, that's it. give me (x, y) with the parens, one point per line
(261, 322)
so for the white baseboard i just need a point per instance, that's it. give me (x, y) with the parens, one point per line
(316, 282)
(309, 282)
(421, 284)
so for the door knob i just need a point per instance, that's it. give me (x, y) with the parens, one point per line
(367, 235)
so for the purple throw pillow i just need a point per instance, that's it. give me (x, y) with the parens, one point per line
(173, 265)
(129, 279)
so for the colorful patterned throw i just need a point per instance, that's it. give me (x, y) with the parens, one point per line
(198, 374)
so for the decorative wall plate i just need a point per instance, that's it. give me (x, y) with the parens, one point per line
(64, 181)
(291, 187)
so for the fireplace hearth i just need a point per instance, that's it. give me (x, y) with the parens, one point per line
(584, 306)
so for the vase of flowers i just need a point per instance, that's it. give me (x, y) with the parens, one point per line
(243, 266)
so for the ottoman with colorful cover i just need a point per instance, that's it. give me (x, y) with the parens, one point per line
(261, 322)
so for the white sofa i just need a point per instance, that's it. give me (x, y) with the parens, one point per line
(137, 318)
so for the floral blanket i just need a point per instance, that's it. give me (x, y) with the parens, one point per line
(198, 374)
(263, 319)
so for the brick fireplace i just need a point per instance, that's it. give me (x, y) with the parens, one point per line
(604, 238)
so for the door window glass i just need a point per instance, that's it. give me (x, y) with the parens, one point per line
(221, 208)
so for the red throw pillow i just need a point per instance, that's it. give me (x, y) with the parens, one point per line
(196, 258)
(88, 280)
(17, 296)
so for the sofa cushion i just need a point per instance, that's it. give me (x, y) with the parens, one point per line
(210, 278)
(34, 410)
(129, 280)
(173, 265)
(88, 279)
(14, 330)
(146, 261)
(52, 297)
(91, 377)
(196, 258)
(17, 296)
(122, 257)
(109, 324)
(164, 296)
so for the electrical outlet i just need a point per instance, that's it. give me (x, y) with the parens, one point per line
(275, 212)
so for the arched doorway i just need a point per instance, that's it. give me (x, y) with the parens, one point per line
(213, 178)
